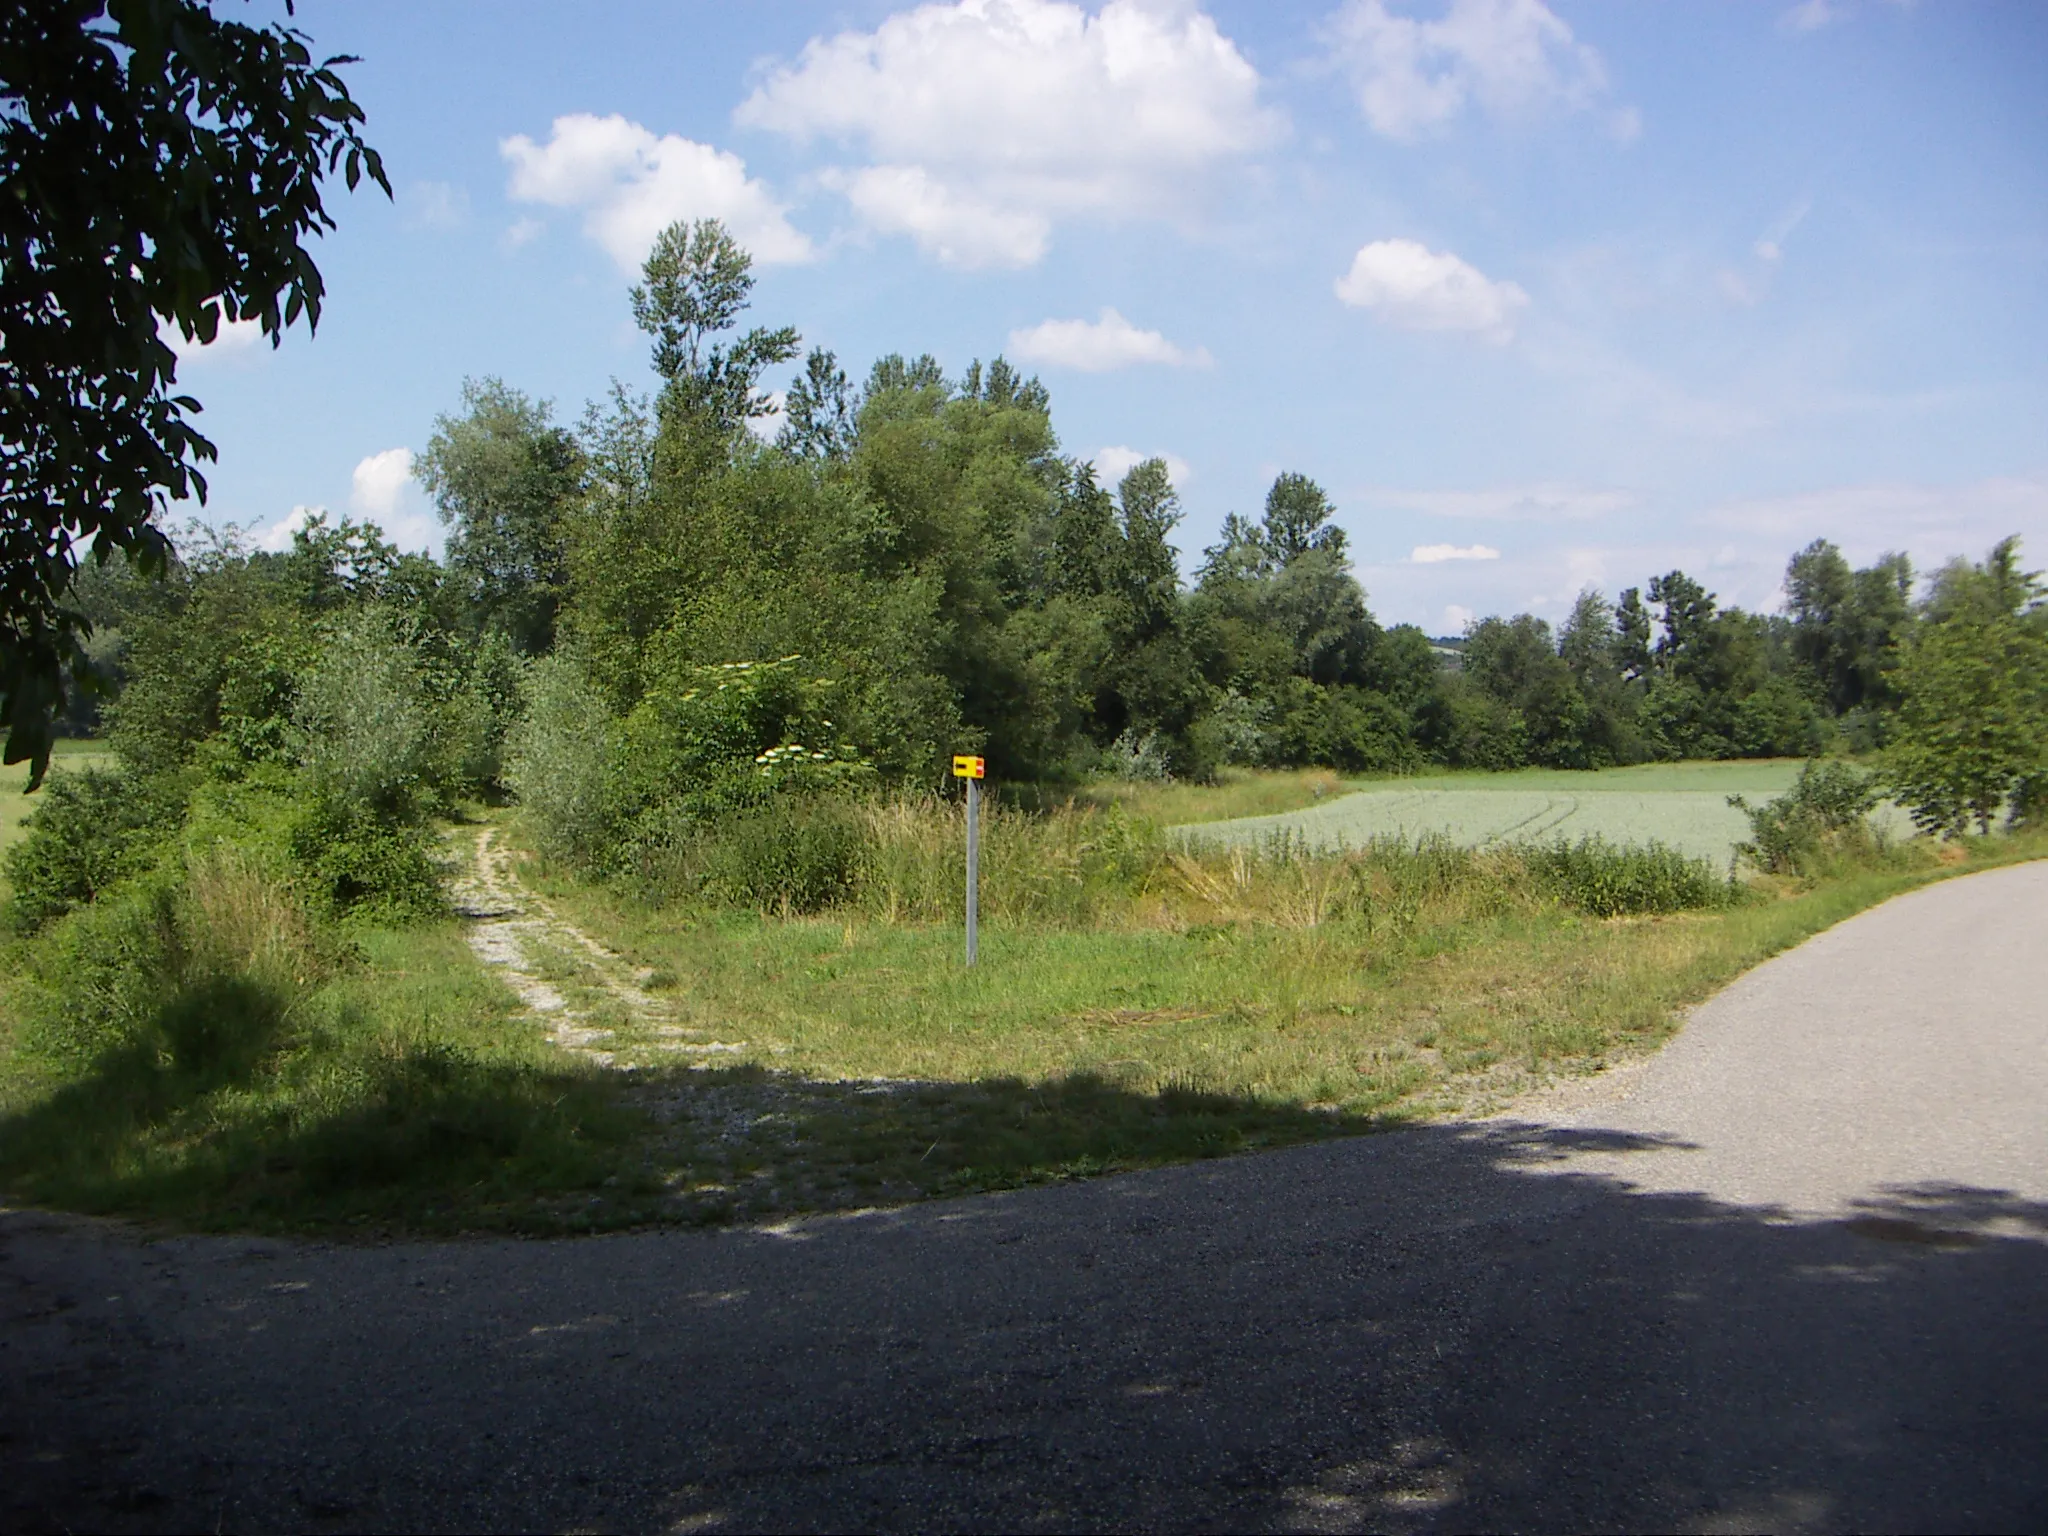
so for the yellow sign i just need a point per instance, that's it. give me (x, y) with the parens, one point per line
(967, 768)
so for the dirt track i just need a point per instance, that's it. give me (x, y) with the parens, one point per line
(1793, 1274)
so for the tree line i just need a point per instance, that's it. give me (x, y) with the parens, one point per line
(663, 613)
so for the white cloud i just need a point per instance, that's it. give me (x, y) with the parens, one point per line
(381, 480)
(1545, 502)
(384, 492)
(1934, 522)
(1436, 554)
(1809, 16)
(1770, 245)
(434, 205)
(1409, 285)
(277, 538)
(984, 122)
(767, 427)
(1509, 57)
(960, 230)
(1812, 15)
(1112, 464)
(632, 185)
(230, 338)
(1098, 346)
(522, 232)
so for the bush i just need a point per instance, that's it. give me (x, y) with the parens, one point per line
(558, 757)
(1137, 758)
(368, 731)
(1826, 811)
(88, 832)
(365, 866)
(1605, 880)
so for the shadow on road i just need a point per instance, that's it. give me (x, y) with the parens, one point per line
(1442, 1328)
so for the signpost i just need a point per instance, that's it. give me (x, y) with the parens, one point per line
(972, 770)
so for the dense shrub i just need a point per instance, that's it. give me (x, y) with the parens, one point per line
(89, 831)
(1827, 810)
(1606, 880)
(364, 865)
(368, 731)
(557, 758)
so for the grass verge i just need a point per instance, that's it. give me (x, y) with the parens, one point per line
(843, 1059)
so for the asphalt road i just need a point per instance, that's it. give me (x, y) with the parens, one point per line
(1791, 1274)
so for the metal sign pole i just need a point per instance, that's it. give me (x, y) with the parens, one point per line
(971, 768)
(973, 867)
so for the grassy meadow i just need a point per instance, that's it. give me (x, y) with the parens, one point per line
(1138, 1001)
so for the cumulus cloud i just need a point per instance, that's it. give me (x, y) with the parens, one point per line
(1409, 285)
(632, 184)
(1508, 57)
(230, 338)
(384, 492)
(984, 122)
(277, 538)
(1112, 464)
(1436, 554)
(960, 229)
(1099, 346)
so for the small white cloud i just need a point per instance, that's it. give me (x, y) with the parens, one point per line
(1545, 502)
(1770, 245)
(1812, 15)
(385, 493)
(1734, 288)
(1098, 346)
(1809, 16)
(1456, 619)
(1112, 464)
(766, 427)
(522, 232)
(277, 538)
(1510, 57)
(633, 185)
(230, 338)
(380, 481)
(985, 122)
(1409, 285)
(1436, 554)
(434, 205)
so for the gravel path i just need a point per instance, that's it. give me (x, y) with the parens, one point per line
(1790, 1274)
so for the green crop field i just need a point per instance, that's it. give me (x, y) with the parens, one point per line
(1683, 805)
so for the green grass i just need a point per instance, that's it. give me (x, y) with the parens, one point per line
(1683, 805)
(783, 1065)
(403, 1093)
(863, 1062)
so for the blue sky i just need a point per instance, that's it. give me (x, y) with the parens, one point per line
(1544, 295)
